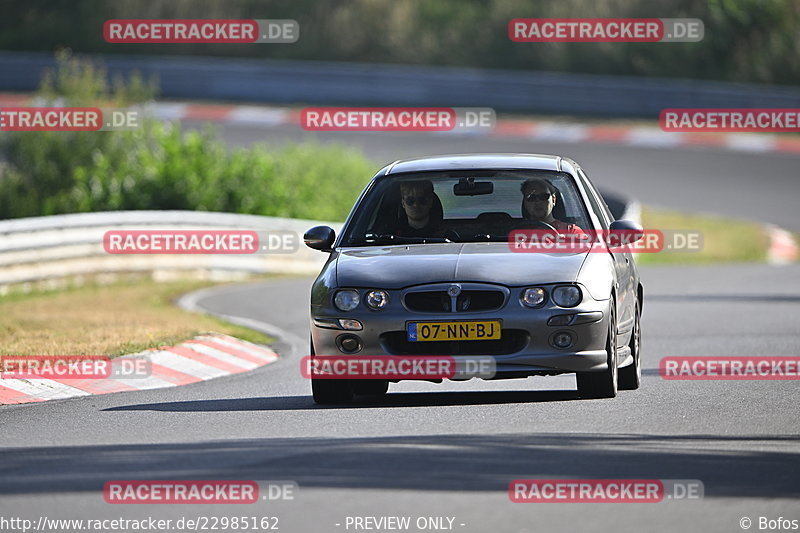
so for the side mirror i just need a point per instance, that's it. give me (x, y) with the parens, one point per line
(625, 232)
(320, 238)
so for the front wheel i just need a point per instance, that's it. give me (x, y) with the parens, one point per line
(370, 387)
(630, 377)
(603, 384)
(329, 391)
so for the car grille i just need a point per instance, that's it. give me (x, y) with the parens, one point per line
(467, 301)
(513, 340)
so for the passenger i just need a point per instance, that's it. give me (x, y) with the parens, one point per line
(538, 200)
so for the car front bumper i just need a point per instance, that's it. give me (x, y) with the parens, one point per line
(526, 347)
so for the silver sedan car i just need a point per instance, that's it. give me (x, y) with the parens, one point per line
(428, 264)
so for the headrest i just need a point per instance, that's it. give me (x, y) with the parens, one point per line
(494, 218)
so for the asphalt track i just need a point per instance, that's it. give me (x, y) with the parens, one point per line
(451, 450)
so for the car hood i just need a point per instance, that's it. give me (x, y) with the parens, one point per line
(394, 267)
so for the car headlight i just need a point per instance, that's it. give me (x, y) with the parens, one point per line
(567, 296)
(346, 300)
(534, 297)
(377, 299)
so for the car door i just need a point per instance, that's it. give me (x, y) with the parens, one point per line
(623, 267)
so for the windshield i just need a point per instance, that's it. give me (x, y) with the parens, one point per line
(465, 207)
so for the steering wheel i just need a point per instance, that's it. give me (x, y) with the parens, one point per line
(536, 224)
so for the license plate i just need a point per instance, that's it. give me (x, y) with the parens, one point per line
(466, 330)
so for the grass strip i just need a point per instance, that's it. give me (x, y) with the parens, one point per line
(106, 320)
(725, 240)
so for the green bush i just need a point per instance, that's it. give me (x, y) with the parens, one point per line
(159, 166)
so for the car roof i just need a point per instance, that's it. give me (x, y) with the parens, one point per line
(477, 161)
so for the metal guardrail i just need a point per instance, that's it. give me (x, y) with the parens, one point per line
(63, 246)
(328, 83)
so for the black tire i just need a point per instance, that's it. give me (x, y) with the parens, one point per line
(630, 377)
(370, 387)
(330, 391)
(602, 384)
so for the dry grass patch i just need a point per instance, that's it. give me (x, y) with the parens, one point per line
(105, 320)
(724, 239)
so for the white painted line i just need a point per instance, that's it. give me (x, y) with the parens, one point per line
(553, 131)
(465, 131)
(221, 356)
(186, 365)
(167, 111)
(270, 116)
(150, 382)
(652, 137)
(750, 142)
(45, 389)
(264, 354)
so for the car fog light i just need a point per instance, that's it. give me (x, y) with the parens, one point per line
(562, 339)
(349, 323)
(348, 343)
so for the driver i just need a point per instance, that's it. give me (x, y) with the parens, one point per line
(538, 200)
(422, 219)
